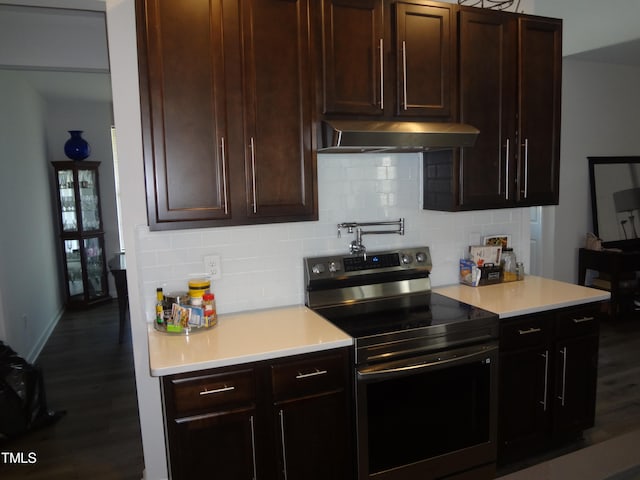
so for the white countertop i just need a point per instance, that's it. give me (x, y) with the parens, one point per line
(244, 337)
(531, 295)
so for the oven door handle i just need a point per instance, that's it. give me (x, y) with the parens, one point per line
(474, 354)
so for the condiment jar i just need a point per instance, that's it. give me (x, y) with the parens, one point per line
(209, 307)
(508, 261)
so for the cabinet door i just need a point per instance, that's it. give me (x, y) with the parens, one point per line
(524, 401)
(424, 64)
(487, 101)
(279, 125)
(184, 119)
(313, 438)
(353, 57)
(525, 397)
(214, 445)
(540, 66)
(576, 382)
(312, 417)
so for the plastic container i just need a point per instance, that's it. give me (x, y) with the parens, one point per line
(197, 288)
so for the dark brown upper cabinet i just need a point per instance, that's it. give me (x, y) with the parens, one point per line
(227, 104)
(540, 74)
(353, 44)
(509, 88)
(488, 96)
(424, 62)
(387, 59)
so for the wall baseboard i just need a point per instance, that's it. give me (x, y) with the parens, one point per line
(42, 341)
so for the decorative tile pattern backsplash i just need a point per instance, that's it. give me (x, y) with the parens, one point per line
(262, 264)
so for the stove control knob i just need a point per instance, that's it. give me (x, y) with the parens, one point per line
(334, 267)
(407, 259)
(318, 268)
(421, 257)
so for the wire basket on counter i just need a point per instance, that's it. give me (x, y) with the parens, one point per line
(492, 4)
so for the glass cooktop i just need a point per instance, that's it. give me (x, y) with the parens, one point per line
(393, 315)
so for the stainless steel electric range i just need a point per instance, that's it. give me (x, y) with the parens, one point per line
(425, 373)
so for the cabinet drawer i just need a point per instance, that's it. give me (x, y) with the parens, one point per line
(308, 376)
(212, 391)
(526, 332)
(577, 321)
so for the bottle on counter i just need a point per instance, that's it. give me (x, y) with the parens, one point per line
(520, 270)
(159, 306)
(508, 261)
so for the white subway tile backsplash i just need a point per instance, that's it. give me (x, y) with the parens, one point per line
(262, 265)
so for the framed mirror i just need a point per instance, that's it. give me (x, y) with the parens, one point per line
(615, 200)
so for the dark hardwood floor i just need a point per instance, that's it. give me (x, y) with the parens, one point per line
(90, 375)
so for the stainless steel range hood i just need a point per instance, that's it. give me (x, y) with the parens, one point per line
(357, 136)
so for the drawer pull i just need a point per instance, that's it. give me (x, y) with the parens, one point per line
(583, 319)
(301, 375)
(217, 390)
(530, 330)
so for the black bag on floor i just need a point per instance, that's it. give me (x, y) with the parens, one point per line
(23, 405)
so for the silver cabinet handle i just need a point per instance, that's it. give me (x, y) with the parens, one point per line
(563, 352)
(583, 319)
(526, 167)
(253, 447)
(529, 331)
(223, 154)
(252, 146)
(506, 175)
(284, 445)
(217, 390)
(546, 379)
(312, 374)
(381, 74)
(404, 74)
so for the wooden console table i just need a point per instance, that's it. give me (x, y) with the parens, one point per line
(615, 264)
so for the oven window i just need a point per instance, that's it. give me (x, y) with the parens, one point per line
(420, 416)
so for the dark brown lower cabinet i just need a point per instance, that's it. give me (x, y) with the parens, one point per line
(548, 378)
(282, 419)
(215, 445)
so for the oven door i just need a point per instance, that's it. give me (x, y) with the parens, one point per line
(430, 416)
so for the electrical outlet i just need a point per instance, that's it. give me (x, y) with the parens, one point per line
(213, 267)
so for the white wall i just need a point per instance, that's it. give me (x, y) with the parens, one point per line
(31, 294)
(592, 24)
(600, 108)
(262, 265)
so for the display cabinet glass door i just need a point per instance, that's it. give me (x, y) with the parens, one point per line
(79, 200)
(86, 275)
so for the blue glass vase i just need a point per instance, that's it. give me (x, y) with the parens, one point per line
(76, 148)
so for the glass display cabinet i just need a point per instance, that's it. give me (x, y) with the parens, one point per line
(81, 234)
